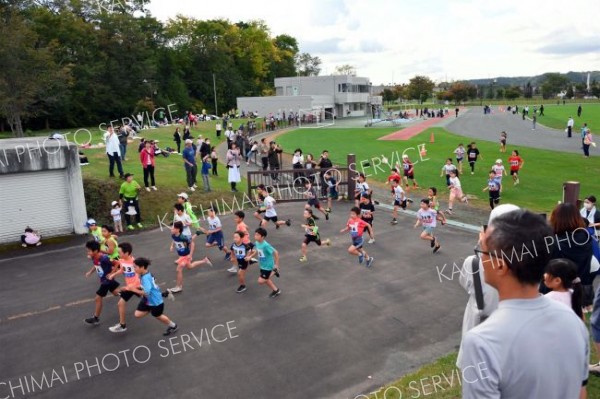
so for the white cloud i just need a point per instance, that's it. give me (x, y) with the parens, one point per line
(390, 40)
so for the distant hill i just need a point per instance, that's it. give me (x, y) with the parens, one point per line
(575, 77)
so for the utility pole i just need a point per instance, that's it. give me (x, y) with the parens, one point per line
(215, 92)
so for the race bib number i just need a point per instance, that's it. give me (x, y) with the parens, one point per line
(99, 271)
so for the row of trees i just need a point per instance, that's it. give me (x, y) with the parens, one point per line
(82, 62)
(421, 88)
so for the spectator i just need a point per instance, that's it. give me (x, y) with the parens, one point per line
(528, 343)
(113, 152)
(128, 194)
(572, 241)
(233, 165)
(584, 130)
(31, 238)
(570, 124)
(274, 151)
(587, 141)
(324, 164)
(590, 213)
(228, 135)
(218, 128)
(579, 109)
(263, 149)
(205, 173)
(177, 139)
(252, 152)
(297, 161)
(186, 134)
(83, 160)
(147, 159)
(191, 169)
(204, 149)
(214, 157)
(473, 315)
(123, 134)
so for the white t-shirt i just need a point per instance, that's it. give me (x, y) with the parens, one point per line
(448, 168)
(498, 170)
(427, 217)
(398, 193)
(363, 187)
(187, 221)
(455, 182)
(562, 297)
(269, 204)
(527, 348)
(116, 214)
(214, 223)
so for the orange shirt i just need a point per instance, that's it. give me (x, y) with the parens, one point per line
(241, 226)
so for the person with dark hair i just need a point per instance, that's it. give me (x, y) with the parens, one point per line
(241, 249)
(109, 244)
(268, 258)
(31, 238)
(233, 160)
(311, 234)
(427, 217)
(590, 213)
(530, 340)
(494, 188)
(103, 266)
(184, 245)
(572, 241)
(263, 149)
(472, 155)
(516, 163)
(177, 139)
(324, 164)
(356, 226)
(147, 160)
(268, 207)
(128, 194)
(274, 151)
(367, 213)
(561, 277)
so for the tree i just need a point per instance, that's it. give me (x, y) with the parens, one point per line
(286, 49)
(528, 92)
(570, 93)
(513, 92)
(461, 91)
(553, 83)
(420, 88)
(500, 92)
(345, 69)
(307, 65)
(30, 77)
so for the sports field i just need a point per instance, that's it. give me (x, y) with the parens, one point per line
(556, 116)
(542, 176)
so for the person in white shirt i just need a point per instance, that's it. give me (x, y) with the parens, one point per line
(115, 212)
(113, 152)
(531, 346)
(570, 124)
(297, 162)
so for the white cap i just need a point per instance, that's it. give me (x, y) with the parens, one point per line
(183, 195)
(501, 210)
(498, 160)
(90, 222)
(404, 156)
(113, 203)
(188, 141)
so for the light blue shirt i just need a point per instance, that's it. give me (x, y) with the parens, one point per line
(153, 294)
(265, 255)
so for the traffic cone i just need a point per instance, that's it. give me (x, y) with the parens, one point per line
(431, 138)
(423, 151)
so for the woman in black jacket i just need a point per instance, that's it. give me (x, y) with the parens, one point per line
(177, 139)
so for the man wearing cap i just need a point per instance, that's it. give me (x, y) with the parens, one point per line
(191, 169)
(113, 152)
(129, 195)
(531, 346)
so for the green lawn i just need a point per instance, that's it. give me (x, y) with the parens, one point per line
(541, 178)
(556, 116)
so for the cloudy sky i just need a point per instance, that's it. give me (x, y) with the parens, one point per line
(393, 40)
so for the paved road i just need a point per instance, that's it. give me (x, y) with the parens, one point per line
(335, 324)
(473, 123)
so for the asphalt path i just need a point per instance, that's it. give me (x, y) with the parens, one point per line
(338, 329)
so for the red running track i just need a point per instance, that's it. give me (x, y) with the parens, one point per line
(411, 131)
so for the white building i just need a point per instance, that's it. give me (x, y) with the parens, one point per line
(337, 95)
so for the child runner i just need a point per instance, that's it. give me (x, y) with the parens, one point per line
(394, 176)
(356, 227)
(455, 192)
(494, 187)
(472, 155)
(185, 249)
(332, 189)
(152, 301)
(367, 213)
(560, 276)
(311, 194)
(269, 209)
(109, 245)
(459, 152)
(115, 212)
(434, 204)
(240, 226)
(447, 168)
(427, 218)
(311, 233)
(499, 170)
(516, 163)
(268, 257)
(214, 233)
(362, 188)
(241, 248)
(184, 218)
(399, 200)
(95, 231)
(409, 172)
(183, 199)
(103, 266)
(503, 137)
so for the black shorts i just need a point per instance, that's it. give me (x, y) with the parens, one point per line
(369, 221)
(308, 239)
(409, 175)
(503, 142)
(106, 288)
(314, 202)
(271, 218)
(494, 195)
(242, 264)
(126, 295)
(259, 211)
(155, 311)
(265, 274)
(514, 172)
(401, 204)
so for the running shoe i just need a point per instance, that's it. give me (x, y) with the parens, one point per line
(195, 186)
(92, 320)
(117, 328)
(130, 227)
(24, 245)
(394, 221)
(361, 258)
(376, 202)
(170, 295)
(276, 271)
(432, 243)
(436, 248)
(449, 211)
(327, 242)
(154, 188)
(233, 269)
(371, 241)
(176, 289)
(326, 215)
(228, 256)
(253, 261)
(207, 259)
(148, 189)
(303, 259)
(241, 289)
(288, 222)
(275, 293)
(192, 189)
(328, 210)
(409, 200)
(171, 330)
(370, 262)
(140, 225)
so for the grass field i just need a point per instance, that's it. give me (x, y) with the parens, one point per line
(541, 178)
(556, 116)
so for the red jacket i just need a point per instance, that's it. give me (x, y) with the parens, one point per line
(144, 157)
